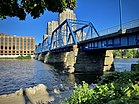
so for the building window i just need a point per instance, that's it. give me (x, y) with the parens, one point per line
(13, 51)
(9, 51)
(13, 47)
(1, 47)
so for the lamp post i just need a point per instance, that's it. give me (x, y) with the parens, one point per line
(120, 10)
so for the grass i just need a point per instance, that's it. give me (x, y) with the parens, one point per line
(19, 57)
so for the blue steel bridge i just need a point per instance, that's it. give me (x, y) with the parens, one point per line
(84, 35)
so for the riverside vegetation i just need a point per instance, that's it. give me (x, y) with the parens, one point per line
(126, 53)
(113, 88)
(19, 57)
(24, 57)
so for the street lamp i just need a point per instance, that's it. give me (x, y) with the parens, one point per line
(120, 10)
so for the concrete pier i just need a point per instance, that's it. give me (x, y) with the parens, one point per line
(77, 60)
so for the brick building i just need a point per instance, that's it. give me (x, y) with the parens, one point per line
(16, 45)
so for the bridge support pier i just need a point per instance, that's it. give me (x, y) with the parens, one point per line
(98, 61)
(62, 61)
(36, 56)
(109, 61)
(94, 61)
(41, 57)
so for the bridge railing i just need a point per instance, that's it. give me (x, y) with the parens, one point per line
(127, 25)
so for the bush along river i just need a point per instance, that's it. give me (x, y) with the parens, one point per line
(25, 74)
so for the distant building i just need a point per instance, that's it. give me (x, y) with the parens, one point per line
(16, 45)
(67, 14)
(51, 26)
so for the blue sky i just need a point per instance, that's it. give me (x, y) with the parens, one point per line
(102, 13)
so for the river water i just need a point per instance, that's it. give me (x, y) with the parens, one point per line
(16, 74)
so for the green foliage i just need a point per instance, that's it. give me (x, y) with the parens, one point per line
(119, 77)
(129, 54)
(24, 57)
(114, 88)
(11, 8)
(7, 58)
(81, 94)
(19, 8)
(126, 53)
(112, 93)
(116, 54)
(137, 54)
(19, 57)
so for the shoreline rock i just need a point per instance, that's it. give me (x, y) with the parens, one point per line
(38, 94)
(14, 98)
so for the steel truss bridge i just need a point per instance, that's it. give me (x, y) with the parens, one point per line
(84, 35)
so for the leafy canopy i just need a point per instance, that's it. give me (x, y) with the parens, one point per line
(19, 8)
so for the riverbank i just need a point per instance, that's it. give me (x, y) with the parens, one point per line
(17, 57)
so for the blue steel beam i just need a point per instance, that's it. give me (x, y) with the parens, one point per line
(46, 44)
(71, 31)
(66, 33)
(118, 40)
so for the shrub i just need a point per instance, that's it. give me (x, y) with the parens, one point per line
(81, 94)
(113, 88)
(119, 77)
(112, 93)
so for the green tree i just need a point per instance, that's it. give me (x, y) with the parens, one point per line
(116, 54)
(137, 54)
(19, 8)
(129, 54)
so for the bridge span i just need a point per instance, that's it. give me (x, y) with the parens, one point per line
(76, 46)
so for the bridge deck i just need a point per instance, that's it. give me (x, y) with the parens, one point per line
(128, 39)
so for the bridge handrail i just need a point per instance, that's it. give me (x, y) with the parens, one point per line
(127, 25)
